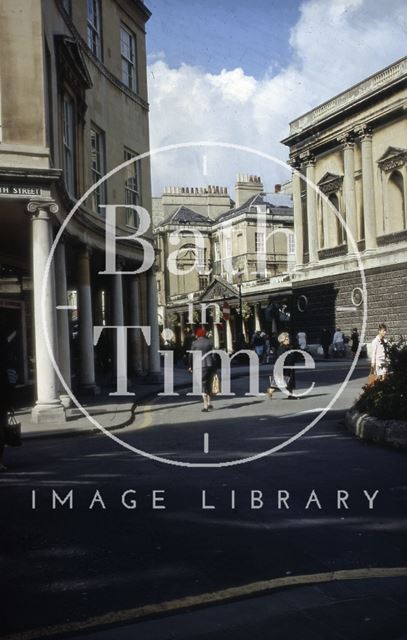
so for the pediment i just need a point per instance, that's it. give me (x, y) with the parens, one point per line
(330, 182)
(392, 158)
(219, 289)
(328, 177)
(72, 61)
(392, 152)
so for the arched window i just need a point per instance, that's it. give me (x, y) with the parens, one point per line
(396, 220)
(338, 235)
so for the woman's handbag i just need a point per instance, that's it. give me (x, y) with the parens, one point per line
(215, 385)
(12, 435)
(272, 388)
(372, 378)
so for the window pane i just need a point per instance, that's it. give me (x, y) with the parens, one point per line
(128, 54)
(68, 142)
(131, 187)
(94, 27)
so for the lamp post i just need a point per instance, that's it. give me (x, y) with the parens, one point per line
(241, 342)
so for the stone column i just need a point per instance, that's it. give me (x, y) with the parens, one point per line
(257, 325)
(369, 210)
(85, 318)
(229, 337)
(298, 220)
(215, 336)
(312, 212)
(64, 349)
(154, 356)
(48, 407)
(181, 327)
(118, 320)
(135, 320)
(349, 188)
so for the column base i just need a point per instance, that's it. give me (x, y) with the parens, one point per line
(48, 413)
(65, 400)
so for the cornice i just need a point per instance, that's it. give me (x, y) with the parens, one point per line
(356, 94)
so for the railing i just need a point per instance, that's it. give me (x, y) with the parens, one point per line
(332, 252)
(392, 238)
(347, 97)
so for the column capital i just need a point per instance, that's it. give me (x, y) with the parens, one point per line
(294, 162)
(364, 131)
(38, 208)
(308, 158)
(347, 139)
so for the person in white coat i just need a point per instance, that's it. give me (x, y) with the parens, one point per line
(379, 364)
(302, 340)
(338, 343)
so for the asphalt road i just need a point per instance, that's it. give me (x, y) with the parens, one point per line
(71, 567)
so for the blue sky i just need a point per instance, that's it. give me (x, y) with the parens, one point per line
(239, 71)
(214, 35)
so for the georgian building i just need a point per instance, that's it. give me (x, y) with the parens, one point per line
(354, 149)
(73, 106)
(243, 257)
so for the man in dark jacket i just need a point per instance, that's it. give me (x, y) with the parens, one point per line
(204, 345)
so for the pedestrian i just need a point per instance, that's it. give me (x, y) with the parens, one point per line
(355, 340)
(267, 354)
(325, 341)
(274, 344)
(258, 344)
(209, 367)
(379, 363)
(289, 362)
(302, 340)
(338, 343)
(188, 341)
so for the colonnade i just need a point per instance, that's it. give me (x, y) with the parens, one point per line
(136, 293)
(231, 327)
(305, 165)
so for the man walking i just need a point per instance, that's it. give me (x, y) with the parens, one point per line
(379, 365)
(204, 345)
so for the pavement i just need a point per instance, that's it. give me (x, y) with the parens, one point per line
(337, 610)
(110, 413)
(235, 568)
(117, 414)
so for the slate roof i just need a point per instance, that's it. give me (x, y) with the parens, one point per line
(183, 215)
(258, 199)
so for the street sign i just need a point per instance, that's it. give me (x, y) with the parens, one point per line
(226, 311)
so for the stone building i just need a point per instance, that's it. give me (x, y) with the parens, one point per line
(241, 256)
(354, 148)
(73, 106)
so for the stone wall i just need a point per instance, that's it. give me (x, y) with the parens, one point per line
(330, 303)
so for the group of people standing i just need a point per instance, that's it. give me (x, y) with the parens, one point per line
(338, 341)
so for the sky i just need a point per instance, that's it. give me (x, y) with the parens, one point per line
(238, 72)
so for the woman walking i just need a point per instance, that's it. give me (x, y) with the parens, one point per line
(204, 345)
(289, 362)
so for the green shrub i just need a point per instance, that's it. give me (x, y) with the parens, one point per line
(388, 398)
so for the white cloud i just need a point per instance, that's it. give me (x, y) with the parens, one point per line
(335, 44)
